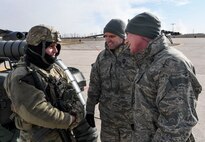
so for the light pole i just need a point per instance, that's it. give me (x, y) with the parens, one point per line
(173, 27)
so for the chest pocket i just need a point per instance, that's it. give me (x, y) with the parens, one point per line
(106, 70)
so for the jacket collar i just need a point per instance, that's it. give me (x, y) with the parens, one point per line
(116, 51)
(154, 47)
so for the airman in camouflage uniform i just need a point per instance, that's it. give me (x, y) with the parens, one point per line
(165, 89)
(110, 85)
(35, 87)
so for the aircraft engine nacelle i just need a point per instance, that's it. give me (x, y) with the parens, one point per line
(14, 36)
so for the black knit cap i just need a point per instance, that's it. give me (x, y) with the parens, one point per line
(116, 26)
(144, 24)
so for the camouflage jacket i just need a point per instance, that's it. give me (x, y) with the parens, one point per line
(110, 85)
(165, 95)
(34, 111)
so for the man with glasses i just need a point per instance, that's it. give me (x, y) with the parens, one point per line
(110, 85)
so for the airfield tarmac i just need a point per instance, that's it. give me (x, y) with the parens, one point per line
(82, 55)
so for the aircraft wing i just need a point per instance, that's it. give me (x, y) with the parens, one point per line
(94, 36)
(4, 32)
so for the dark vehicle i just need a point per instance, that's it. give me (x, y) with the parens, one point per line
(12, 35)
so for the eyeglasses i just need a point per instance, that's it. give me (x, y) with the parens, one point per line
(109, 36)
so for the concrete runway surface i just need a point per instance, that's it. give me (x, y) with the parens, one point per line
(84, 54)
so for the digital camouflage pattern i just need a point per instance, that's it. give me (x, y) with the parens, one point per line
(165, 95)
(110, 85)
(37, 118)
(40, 33)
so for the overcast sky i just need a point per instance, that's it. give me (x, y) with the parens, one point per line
(86, 17)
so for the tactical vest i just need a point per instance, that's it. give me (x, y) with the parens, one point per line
(59, 92)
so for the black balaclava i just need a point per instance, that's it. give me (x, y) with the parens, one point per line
(37, 56)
